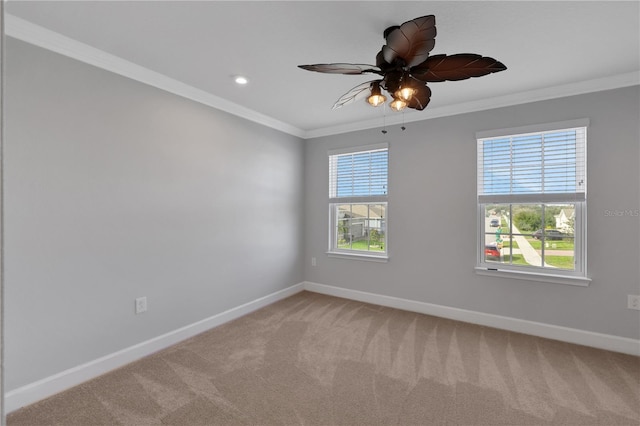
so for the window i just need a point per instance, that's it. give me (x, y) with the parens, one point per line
(358, 201)
(532, 202)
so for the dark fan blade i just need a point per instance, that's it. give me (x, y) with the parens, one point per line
(456, 67)
(358, 92)
(341, 68)
(380, 62)
(421, 98)
(411, 42)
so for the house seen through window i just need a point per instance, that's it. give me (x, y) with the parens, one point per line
(532, 200)
(358, 180)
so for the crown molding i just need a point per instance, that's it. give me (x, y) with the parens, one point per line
(34, 34)
(39, 36)
(588, 86)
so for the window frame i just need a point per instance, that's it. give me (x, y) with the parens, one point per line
(577, 276)
(334, 202)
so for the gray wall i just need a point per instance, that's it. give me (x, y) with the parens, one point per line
(432, 216)
(2, 38)
(116, 190)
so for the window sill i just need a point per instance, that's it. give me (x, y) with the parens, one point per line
(359, 256)
(534, 276)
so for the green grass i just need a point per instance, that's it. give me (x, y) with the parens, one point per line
(507, 244)
(516, 259)
(559, 244)
(361, 245)
(563, 262)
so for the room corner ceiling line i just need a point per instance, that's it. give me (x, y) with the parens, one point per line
(39, 36)
(572, 89)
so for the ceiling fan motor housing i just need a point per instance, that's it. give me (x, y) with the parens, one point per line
(406, 67)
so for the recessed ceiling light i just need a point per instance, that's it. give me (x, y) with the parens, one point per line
(241, 80)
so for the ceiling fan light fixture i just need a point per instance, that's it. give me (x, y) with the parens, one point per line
(404, 93)
(404, 66)
(376, 98)
(398, 104)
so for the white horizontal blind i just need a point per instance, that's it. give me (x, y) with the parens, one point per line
(543, 167)
(359, 174)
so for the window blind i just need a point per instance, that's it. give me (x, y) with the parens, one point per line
(358, 174)
(542, 167)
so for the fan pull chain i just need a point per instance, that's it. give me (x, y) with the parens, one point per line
(384, 119)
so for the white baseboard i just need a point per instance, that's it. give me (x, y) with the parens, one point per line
(549, 331)
(36, 391)
(51, 385)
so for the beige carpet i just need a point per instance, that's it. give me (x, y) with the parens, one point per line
(315, 359)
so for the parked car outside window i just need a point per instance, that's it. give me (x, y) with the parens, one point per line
(491, 250)
(551, 234)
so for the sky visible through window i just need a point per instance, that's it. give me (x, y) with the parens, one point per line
(362, 174)
(530, 164)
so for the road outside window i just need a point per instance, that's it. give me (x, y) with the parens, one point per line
(532, 198)
(539, 235)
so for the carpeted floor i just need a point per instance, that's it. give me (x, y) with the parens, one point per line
(315, 359)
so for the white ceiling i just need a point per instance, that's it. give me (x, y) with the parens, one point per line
(550, 49)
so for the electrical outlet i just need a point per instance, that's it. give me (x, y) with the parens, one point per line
(313, 261)
(633, 301)
(141, 305)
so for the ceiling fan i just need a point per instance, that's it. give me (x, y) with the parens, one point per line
(405, 67)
